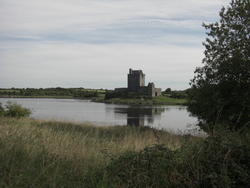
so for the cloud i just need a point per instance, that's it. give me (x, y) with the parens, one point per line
(147, 31)
(103, 21)
(39, 17)
(92, 43)
(67, 65)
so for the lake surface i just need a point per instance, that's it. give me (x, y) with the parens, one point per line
(170, 118)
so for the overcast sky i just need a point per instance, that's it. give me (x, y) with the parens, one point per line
(93, 43)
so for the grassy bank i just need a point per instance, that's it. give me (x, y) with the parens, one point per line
(59, 154)
(45, 154)
(160, 100)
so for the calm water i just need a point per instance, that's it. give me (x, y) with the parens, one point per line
(171, 118)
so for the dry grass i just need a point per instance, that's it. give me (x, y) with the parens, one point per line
(83, 146)
(68, 139)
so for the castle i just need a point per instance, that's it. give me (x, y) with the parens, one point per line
(136, 84)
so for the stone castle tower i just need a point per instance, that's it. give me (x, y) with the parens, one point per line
(136, 83)
(136, 80)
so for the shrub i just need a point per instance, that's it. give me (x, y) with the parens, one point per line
(16, 110)
(1, 110)
(152, 167)
(222, 160)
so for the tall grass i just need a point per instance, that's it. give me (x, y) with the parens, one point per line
(59, 154)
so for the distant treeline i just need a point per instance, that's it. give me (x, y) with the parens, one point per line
(50, 92)
(178, 94)
(59, 92)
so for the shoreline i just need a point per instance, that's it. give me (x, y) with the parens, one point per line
(158, 101)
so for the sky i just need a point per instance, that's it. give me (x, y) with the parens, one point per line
(93, 43)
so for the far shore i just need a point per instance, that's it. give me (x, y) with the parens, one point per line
(160, 100)
(42, 97)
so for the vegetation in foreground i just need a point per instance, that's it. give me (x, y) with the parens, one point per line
(59, 154)
(54, 154)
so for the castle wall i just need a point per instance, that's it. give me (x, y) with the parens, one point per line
(157, 92)
(152, 91)
(136, 83)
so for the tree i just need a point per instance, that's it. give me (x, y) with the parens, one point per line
(220, 89)
(168, 90)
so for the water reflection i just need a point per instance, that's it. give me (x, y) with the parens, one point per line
(169, 118)
(140, 116)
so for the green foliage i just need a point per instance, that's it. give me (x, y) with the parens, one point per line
(168, 90)
(85, 94)
(221, 88)
(52, 92)
(16, 110)
(169, 100)
(222, 160)
(178, 94)
(1, 110)
(152, 167)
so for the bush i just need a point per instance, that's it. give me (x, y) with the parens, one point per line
(16, 110)
(222, 160)
(1, 110)
(152, 167)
